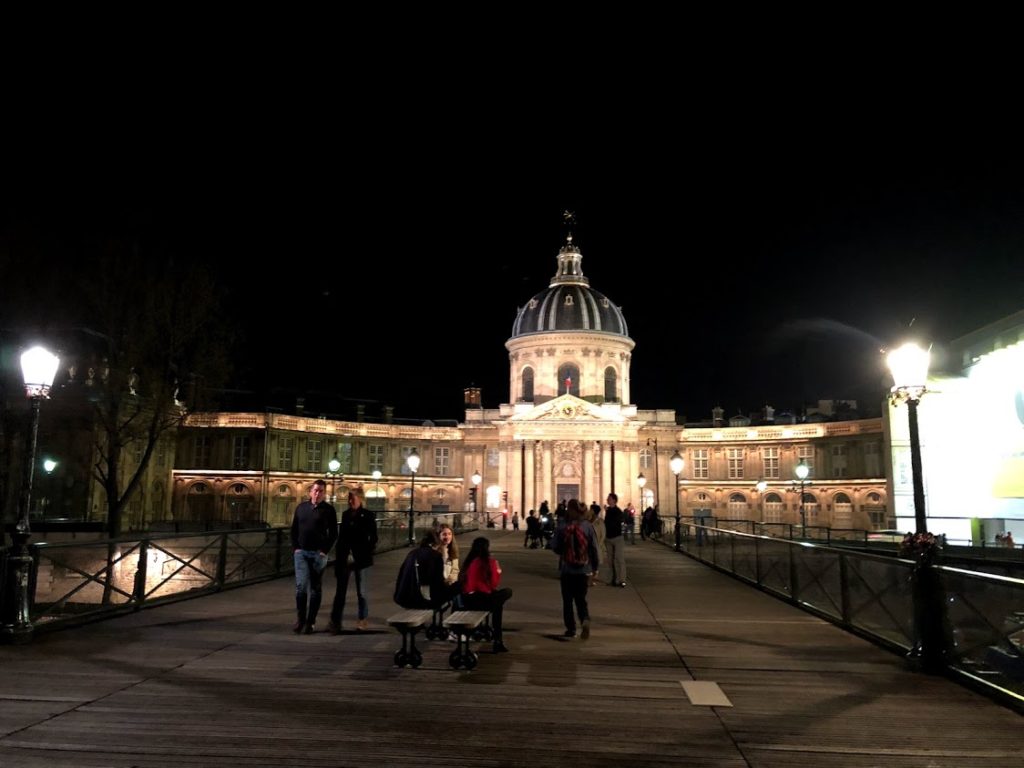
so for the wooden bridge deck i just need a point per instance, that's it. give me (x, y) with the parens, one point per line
(222, 681)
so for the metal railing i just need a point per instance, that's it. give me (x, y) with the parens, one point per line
(873, 595)
(77, 581)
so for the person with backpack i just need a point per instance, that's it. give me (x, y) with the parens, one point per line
(576, 545)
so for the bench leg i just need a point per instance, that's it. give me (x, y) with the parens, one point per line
(409, 653)
(462, 656)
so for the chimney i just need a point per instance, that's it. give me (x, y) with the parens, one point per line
(300, 405)
(389, 413)
(471, 397)
(769, 414)
(360, 412)
(717, 416)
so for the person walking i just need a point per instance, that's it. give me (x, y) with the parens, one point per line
(357, 539)
(594, 518)
(576, 545)
(613, 542)
(314, 531)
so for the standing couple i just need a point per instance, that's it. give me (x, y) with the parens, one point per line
(315, 529)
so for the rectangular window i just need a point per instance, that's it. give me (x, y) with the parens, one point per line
(345, 458)
(240, 453)
(646, 455)
(161, 454)
(700, 463)
(137, 452)
(493, 457)
(838, 461)
(735, 457)
(201, 452)
(441, 461)
(406, 450)
(771, 463)
(376, 458)
(314, 455)
(805, 453)
(285, 450)
(872, 459)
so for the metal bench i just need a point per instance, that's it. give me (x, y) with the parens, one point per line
(408, 623)
(436, 630)
(465, 624)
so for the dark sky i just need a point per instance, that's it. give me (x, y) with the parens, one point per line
(749, 271)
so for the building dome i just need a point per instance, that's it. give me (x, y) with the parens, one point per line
(569, 303)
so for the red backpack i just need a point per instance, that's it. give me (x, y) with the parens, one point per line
(575, 547)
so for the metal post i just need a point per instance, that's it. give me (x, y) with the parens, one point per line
(920, 518)
(412, 499)
(679, 531)
(803, 512)
(17, 623)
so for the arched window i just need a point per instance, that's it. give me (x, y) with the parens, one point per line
(527, 385)
(568, 379)
(842, 498)
(611, 389)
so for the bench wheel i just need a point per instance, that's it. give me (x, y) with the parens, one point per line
(455, 659)
(483, 633)
(401, 658)
(470, 660)
(416, 659)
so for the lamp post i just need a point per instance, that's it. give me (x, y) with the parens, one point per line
(38, 367)
(932, 643)
(801, 472)
(476, 478)
(657, 476)
(641, 481)
(762, 486)
(333, 466)
(376, 489)
(909, 366)
(414, 463)
(676, 465)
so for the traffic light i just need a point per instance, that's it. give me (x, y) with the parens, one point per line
(504, 497)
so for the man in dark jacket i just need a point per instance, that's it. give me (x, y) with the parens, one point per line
(357, 539)
(420, 582)
(613, 542)
(314, 530)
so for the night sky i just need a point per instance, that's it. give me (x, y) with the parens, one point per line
(748, 273)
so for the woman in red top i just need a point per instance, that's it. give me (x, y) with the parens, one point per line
(481, 576)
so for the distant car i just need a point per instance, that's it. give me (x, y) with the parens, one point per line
(890, 536)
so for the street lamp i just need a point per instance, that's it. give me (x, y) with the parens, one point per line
(909, 366)
(476, 478)
(333, 466)
(376, 489)
(676, 465)
(38, 367)
(801, 472)
(414, 463)
(641, 481)
(762, 486)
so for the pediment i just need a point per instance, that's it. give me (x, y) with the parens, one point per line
(568, 408)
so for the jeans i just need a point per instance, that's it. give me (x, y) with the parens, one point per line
(362, 589)
(309, 568)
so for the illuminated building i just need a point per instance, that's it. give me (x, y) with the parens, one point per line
(568, 430)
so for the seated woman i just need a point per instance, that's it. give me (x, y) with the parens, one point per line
(449, 550)
(481, 575)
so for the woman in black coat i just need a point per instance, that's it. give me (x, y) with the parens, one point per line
(357, 539)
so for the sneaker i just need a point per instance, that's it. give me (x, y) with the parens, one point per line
(297, 626)
(622, 584)
(452, 637)
(586, 630)
(362, 625)
(569, 633)
(308, 629)
(499, 647)
(333, 629)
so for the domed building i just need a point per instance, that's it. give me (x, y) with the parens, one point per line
(568, 430)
